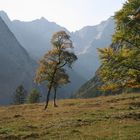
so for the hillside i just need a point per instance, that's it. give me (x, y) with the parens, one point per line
(16, 65)
(89, 89)
(102, 118)
(89, 39)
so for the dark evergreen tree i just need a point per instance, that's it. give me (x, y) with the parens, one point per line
(20, 95)
(34, 96)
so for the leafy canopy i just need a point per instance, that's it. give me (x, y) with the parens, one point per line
(121, 61)
(53, 64)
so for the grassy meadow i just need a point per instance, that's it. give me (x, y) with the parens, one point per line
(103, 118)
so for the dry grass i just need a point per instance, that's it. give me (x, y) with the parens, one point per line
(102, 118)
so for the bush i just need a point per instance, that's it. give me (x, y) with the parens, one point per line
(19, 95)
(34, 96)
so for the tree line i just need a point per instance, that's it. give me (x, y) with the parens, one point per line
(20, 96)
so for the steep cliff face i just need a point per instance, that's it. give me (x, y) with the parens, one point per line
(98, 37)
(15, 65)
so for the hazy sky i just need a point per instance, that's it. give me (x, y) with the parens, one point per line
(72, 14)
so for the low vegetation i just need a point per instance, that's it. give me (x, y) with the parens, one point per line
(103, 118)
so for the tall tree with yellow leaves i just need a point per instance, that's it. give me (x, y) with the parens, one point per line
(121, 62)
(52, 66)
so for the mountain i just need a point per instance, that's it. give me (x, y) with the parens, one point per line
(91, 87)
(35, 38)
(90, 38)
(89, 59)
(16, 65)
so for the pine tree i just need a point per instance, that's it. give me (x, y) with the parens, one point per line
(19, 95)
(34, 96)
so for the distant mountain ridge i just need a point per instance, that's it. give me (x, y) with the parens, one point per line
(35, 38)
(99, 36)
(65, 92)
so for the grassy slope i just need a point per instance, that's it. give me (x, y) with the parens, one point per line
(102, 118)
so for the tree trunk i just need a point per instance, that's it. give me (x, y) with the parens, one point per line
(55, 89)
(50, 87)
(48, 96)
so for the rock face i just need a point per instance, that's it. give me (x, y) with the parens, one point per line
(15, 65)
(90, 38)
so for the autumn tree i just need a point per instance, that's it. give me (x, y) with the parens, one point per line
(121, 61)
(20, 95)
(53, 64)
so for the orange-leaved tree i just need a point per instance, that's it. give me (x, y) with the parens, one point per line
(52, 65)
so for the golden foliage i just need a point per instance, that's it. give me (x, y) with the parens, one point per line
(51, 67)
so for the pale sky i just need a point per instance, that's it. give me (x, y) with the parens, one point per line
(72, 14)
